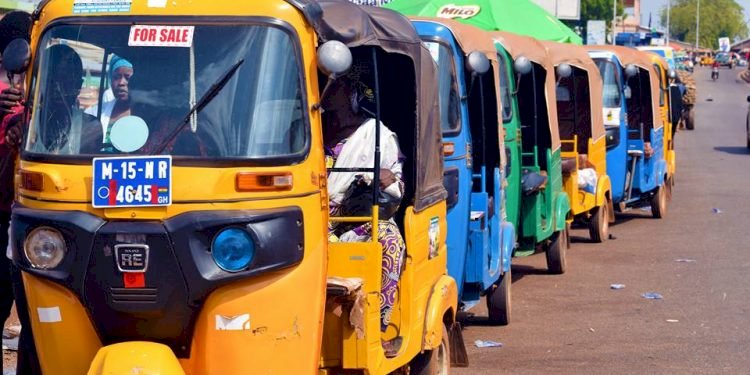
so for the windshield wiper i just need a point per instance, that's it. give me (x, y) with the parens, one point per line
(215, 89)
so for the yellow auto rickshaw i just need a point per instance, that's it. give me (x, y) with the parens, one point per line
(584, 153)
(178, 223)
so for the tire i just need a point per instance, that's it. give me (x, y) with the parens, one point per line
(499, 302)
(690, 119)
(556, 252)
(659, 203)
(433, 362)
(599, 224)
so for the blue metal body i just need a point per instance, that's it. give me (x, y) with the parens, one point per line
(480, 241)
(648, 173)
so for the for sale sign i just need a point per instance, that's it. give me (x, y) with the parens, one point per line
(161, 36)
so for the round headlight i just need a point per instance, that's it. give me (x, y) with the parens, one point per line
(45, 248)
(233, 249)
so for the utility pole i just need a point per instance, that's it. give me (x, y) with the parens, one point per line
(614, 21)
(697, 24)
(669, 11)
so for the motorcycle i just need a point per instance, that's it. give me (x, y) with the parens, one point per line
(715, 73)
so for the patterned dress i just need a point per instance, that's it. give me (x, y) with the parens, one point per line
(389, 237)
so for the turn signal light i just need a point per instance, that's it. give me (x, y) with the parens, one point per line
(247, 181)
(33, 181)
(449, 148)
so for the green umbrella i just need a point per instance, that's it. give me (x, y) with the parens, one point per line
(516, 16)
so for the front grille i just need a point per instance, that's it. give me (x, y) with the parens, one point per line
(134, 295)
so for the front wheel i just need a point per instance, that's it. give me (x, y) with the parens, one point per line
(556, 252)
(659, 203)
(498, 301)
(433, 362)
(599, 224)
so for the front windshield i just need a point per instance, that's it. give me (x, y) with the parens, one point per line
(448, 90)
(611, 80)
(126, 89)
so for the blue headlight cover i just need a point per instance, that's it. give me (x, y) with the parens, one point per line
(233, 249)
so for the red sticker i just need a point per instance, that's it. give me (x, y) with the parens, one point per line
(134, 280)
(161, 36)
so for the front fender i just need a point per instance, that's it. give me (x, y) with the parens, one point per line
(508, 244)
(603, 187)
(443, 298)
(661, 172)
(562, 208)
(135, 357)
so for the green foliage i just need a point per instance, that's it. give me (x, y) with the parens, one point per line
(719, 18)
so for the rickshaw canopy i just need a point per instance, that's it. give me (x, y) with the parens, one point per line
(578, 57)
(643, 61)
(361, 26)
(536, 52)
(517, 16)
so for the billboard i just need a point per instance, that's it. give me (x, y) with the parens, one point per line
(596, 32)
(724, 44)
(562, 9)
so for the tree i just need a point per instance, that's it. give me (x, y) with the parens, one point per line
(719, 18)
(596, 10)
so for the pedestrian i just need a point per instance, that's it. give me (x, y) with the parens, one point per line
(13, 25)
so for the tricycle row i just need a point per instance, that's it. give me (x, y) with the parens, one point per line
(306, 186)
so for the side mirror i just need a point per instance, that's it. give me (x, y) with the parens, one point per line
(563, 71)
(628, 92)
(748, 98)
(631, 71)
(16, 56)
(522, 65)
(478, 63)
(334, 58)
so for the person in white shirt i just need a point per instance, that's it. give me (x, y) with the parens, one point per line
(117, 106)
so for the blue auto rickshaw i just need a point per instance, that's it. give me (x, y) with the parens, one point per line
(636, 161)
(480, 238)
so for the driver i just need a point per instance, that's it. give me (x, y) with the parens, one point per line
(117, 104)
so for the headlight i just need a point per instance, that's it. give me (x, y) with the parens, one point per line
(233, 249)
(45, 248)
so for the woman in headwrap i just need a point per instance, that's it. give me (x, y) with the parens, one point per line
(118, 105)
(349, 137)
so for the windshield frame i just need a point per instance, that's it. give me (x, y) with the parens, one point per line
(177, 160)
(441, 42)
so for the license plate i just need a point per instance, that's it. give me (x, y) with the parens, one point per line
(144, 181)
(131, 258)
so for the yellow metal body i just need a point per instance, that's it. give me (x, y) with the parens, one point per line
(427, 299)
(670, 155)
(582, 202)
(287, 335)
(286, 332)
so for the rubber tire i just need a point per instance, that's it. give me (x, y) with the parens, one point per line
(659, 203)
(433, 362)
(499, 301)
(690, 119)
(599, 224)
(556, 253)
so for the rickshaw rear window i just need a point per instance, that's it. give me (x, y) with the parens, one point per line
(127, 89)
(448, 95)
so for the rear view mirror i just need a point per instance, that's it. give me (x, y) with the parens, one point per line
(563, 71)
(478, 63)
(748, 98)
(630, 71)
(16, 56)
(522, 65)
(334, 58)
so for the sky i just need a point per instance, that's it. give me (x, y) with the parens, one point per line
(655, 6)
